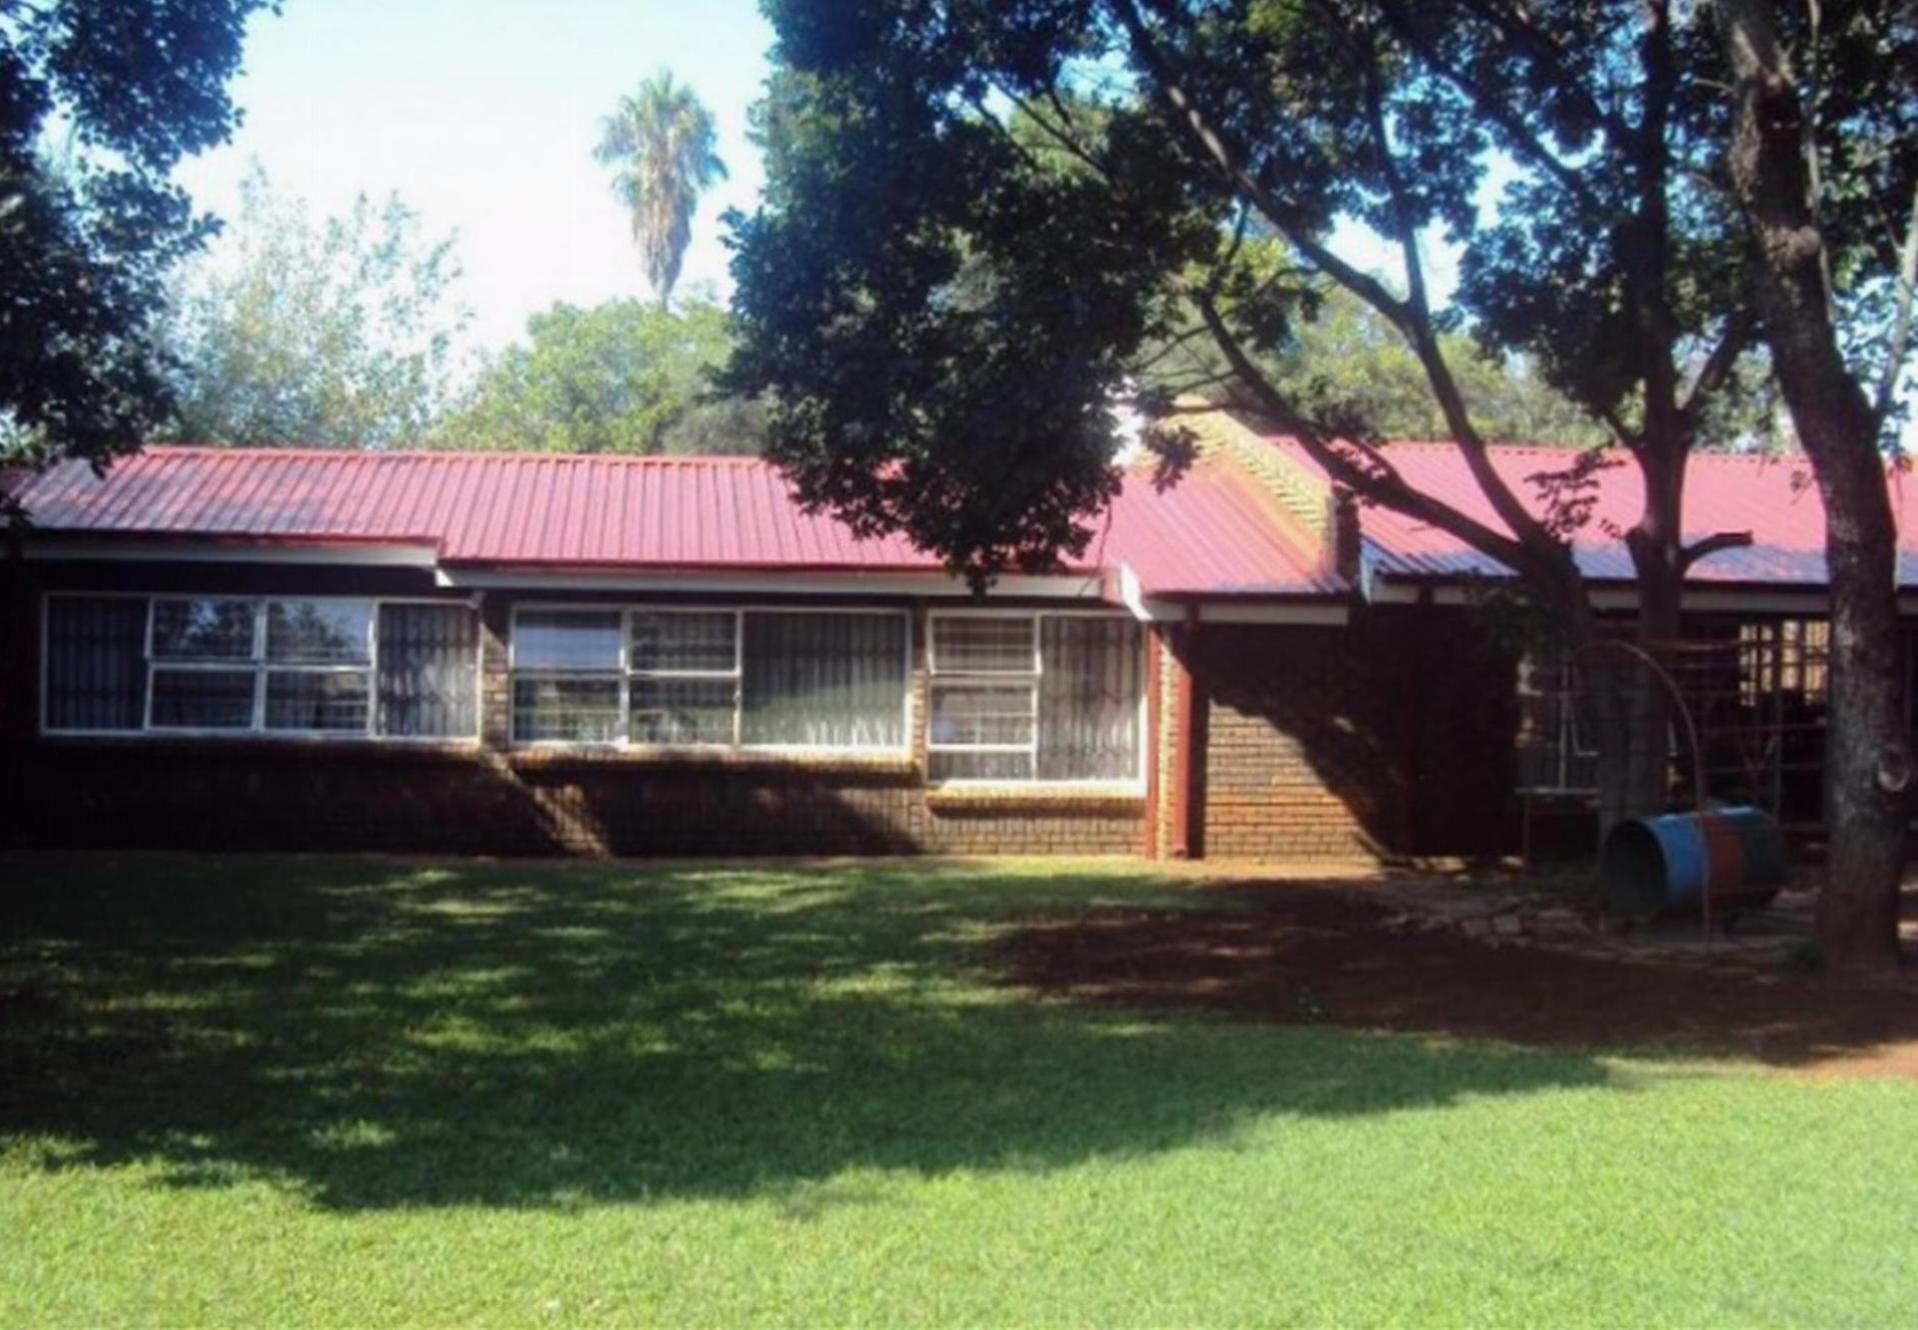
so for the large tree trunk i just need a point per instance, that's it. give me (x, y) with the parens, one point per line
(1868, 760)
(1628, 712)
(1656, 544)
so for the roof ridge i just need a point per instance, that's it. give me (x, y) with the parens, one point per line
(1696, 454)
(259, 450)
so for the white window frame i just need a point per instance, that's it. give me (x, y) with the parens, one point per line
(514, 672)
(937, 679)
(260, 667)
(1570, 744)
(1565, 744)
(626, 674)
(736, 676)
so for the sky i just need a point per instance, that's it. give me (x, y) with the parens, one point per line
(482, 115)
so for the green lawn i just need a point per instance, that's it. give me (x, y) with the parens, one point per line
(357, 1092)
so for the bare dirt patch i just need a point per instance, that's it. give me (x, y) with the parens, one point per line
(1326, 954)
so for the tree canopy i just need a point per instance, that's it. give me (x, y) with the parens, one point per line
(981, 217)
(662, 142)
(1349, 364)
(86, 241)
(336, 332)
(627, 376)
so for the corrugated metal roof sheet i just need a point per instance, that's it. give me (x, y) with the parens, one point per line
(1774, 498)
(1211, 533)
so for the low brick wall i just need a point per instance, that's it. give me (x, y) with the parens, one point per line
(293, 796)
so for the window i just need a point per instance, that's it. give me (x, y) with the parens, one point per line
(685, 677)
(566, 676)
(1558, 729)
(319, 656)
(1556, 753)
(711, 678)
(1048, 697)
(308, 666)
(824, 680)
(96, 664)
(428, 670)
(1788, 658)
(203, 675)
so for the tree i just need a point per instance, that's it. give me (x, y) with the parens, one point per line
(1803, 96)
(1349, 363)
(627, 376)
(335, 333)
(944, 306)
(85, 244)
(661, 139)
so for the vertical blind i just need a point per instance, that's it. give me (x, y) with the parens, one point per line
(96, 662)
(428, 665)
(1089, 691)
(824, 680)
(1065, 711)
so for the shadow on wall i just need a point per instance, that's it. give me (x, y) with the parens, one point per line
(1392, 736)
(257, 797)
(241, 796)
(376, 1034)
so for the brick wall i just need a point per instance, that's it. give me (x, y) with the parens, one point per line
(486, 797)
(1387, 737)
(258, 795)
(1390, 736)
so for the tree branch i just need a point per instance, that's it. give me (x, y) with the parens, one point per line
(1699, 549)
(1376, 478)
(1529, 145)
(1211, 143)
(1056, 133)
(1900, 345)
(1424, 339)
(1543, 48)
(1740, 330)
(1529, 548)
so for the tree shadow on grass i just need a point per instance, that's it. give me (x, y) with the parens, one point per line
(383, 1034)
(1280, 952)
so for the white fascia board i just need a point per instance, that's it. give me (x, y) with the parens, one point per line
(352, 555)
(1132, 596)
(1701, 599)
(1229, 611)
(1224, 611)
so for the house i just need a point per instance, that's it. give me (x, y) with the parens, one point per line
(498, 653)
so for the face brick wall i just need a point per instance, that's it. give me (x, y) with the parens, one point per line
(1390, 736)
(487, 798)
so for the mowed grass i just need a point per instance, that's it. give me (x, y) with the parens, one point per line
(354, 1092)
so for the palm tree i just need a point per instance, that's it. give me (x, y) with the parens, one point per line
(661, 139)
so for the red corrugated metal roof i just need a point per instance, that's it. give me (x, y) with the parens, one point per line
(1209, 534)
(1774, 498)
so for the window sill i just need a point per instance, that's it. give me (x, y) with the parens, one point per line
(550, 757)
(271, 747)
(984, 796)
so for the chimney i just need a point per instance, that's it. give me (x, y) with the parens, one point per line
(1342, 543)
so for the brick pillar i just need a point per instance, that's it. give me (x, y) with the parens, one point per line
(1151, 837)
(496, 688)
(1187, 727)
(19, 685)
